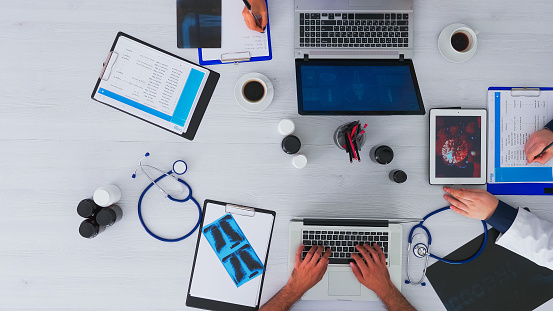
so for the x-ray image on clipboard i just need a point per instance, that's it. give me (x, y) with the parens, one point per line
(210, 286)
(233, 249)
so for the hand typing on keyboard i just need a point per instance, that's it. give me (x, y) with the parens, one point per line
(307, 272)
(370, 270)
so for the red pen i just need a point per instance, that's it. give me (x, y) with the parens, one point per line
(352, 148)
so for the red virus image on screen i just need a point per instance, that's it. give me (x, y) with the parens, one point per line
(458, 146)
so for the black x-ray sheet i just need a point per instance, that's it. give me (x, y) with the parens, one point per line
(199, 23)
(497, 280)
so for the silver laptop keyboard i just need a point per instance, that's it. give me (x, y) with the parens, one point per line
(380, 30)
(342, 243)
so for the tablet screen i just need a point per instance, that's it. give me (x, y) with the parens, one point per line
(151, 85)
(458, 146)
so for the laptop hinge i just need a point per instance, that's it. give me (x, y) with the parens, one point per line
(305, 57)
(345, 222)
(401, 57)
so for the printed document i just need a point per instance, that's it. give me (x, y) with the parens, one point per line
(152, 85)
(520, 117)
(236, 36)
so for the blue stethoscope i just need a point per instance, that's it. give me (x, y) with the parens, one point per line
(179, 168)
(421, 250)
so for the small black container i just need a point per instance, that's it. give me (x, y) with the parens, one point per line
(107, 216)
(87, 208)
(89, 228)
(291, 144)
(398, 176)
(382, 154)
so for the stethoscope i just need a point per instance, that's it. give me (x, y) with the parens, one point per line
(421, 250)
(179, 168)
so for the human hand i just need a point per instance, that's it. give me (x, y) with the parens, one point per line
(473, 203)
(372, 272)
(535, 144)
(309, 271)
(259, 8)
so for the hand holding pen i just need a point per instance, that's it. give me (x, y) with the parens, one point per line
(538, 147)
(255, 14)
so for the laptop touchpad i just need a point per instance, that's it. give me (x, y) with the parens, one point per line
(343, 283)
(366, 3)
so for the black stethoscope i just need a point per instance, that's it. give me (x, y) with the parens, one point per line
(179, 168)
(421, 250)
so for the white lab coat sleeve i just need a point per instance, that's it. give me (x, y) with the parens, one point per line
(530, 237)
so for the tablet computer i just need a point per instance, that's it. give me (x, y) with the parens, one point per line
(155, 86)
(458, 146)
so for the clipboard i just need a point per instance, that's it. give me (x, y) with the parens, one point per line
(211, 287)
(517, 179)
(235, 30)
(155, 86)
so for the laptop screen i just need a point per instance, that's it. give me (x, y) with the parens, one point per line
(357, 87)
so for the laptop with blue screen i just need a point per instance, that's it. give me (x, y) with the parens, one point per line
(353, 58)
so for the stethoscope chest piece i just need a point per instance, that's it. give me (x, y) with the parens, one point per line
(420, 250)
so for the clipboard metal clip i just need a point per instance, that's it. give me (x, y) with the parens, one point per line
(239, 210)
(525, 91)
(235, 57)
(112, 58)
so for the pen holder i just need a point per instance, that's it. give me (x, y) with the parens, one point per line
(340, 136)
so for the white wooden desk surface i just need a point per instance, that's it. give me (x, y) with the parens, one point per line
(57, 146)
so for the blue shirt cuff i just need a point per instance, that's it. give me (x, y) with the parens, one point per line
(549, 125)
(503, 217)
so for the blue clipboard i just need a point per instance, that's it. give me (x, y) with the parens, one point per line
(242, 59)
(524, 185)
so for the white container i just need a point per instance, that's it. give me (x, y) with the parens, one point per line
(107, 195)
(299, 161)
(286, 127)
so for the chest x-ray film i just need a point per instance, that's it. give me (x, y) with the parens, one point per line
(199, 23)
(233, 249)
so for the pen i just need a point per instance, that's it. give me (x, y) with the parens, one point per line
(544, 150)
(249, 7)
(352, 148)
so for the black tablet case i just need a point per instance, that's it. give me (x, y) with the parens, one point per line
(497, 280)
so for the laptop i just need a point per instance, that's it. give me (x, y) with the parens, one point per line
(341, 236)
(353, 57)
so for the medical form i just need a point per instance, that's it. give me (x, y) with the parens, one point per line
(151, 84)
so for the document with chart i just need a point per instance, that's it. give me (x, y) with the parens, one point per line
(514, 114)
(155, 86)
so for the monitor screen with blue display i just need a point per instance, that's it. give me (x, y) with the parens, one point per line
(357, 87)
